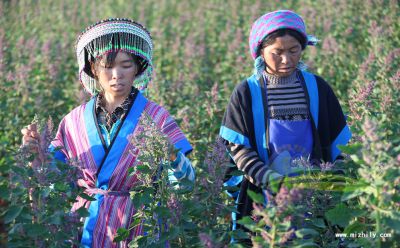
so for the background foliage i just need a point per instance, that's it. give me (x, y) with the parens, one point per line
(201, 53)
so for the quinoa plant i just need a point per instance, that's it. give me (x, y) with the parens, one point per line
(40, 195)
(181, 214)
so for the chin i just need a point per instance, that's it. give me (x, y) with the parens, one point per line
(286, 73)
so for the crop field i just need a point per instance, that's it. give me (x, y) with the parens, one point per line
(201, 53)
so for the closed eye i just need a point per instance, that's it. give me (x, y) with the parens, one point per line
(127, 65)
(277, 52)
(295, 50)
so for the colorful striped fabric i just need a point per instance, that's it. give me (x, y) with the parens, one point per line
(273, 21)
(80, 142)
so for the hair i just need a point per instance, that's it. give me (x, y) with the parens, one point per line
(109, 59)
(270, 39)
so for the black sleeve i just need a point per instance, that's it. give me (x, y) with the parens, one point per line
(238, 115)
(331, 119)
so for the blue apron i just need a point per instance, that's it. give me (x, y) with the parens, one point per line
(289, 140)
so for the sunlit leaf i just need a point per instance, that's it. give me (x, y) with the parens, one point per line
(340, 215)
(256, 197)
(122, 234)
(301, 233)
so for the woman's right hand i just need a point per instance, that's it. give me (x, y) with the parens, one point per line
(31, 138)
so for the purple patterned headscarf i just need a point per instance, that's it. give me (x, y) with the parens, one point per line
(273, 21)
(269, 23)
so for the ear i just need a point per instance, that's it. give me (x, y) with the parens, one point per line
(262, 53)
(138, 63)
(93, 69)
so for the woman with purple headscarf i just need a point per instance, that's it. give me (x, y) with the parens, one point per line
(281, 113)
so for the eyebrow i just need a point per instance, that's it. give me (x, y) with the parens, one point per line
(290, 48)
(125, 61)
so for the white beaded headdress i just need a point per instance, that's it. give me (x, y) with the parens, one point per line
(110, 35)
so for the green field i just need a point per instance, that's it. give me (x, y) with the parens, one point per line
(201, 53)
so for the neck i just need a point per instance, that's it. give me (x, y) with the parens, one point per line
(275, 79)
(111, 102)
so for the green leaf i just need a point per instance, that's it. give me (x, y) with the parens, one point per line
(19, 170)
(131, 171)
(353, 190)
(61, 236)
(12, 213)
(45, 192)
(231, 209)
(162, 211)
(4, 192)
(355, 227)
(231, 188)
(239, 234)
(318, 222)
(351, 194)
(87, 197)
(256, 197)
(306, 231)
(282, 225)
(82, 212)
(392, 223)
(350, 149)
(61, 186)
(145, 199)
(354, 244)
(173, 232)
(55, 219)
(307, 245)
(143, 169)
(35, 230)
(274, 185)
(136, 200)
(188, 225)
(258, 239)
(122, 234)
(236, 173)
(356, 159)
(340, 215)
(247, 221)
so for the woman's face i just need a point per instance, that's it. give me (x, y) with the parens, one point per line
(116, 80)
(282, 56)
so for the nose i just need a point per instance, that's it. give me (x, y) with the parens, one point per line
(116, 73)
(285, 58)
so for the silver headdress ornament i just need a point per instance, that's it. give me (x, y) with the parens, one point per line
(116, 34)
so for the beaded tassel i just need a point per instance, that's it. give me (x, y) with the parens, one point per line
(114, 35)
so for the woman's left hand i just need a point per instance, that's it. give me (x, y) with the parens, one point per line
(172, 151)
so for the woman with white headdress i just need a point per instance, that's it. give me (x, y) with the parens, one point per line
(115, 65)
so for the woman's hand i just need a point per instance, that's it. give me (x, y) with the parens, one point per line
(172, 152)
(31, 138)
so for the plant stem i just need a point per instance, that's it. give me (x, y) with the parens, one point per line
(378, 222)
(273, 229)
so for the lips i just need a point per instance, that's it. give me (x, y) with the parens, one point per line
(117, 86)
